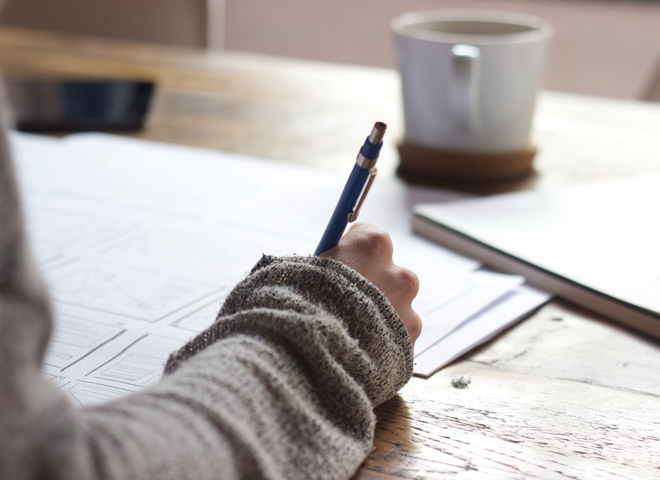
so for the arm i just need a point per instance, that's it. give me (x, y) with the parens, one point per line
(283, 385)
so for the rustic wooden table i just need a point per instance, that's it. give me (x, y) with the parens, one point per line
(565, 394)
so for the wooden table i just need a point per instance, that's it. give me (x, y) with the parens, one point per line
(565, 394)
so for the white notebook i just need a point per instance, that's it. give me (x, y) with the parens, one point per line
(597, 245)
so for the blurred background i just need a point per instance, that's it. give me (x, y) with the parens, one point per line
(601, 47)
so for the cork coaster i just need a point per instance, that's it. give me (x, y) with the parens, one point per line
(436, 167)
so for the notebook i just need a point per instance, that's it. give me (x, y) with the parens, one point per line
(597, 245)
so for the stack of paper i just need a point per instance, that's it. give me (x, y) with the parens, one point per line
(140, 243)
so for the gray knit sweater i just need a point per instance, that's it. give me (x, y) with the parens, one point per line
(283, 385)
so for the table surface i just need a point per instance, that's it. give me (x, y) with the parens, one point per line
(564, 394)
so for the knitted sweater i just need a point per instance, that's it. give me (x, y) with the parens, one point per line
(283, 385)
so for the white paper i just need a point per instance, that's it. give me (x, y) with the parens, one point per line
(457, 299)
(479, 329)
(140, 243)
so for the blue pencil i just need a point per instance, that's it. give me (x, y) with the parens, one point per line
(355, 191)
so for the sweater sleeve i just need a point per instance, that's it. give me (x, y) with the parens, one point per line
(283, 384)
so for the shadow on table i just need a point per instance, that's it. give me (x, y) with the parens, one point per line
(394, 441)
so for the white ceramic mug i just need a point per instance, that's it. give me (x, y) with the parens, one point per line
(470, 78)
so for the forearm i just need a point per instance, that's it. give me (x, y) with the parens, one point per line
(282, 386)
(319, 346)
(239, 409)
(338, 313)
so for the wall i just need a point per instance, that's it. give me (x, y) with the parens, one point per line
(177, 22)
(609, 48)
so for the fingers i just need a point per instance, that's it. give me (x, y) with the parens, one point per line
(407, 284)
(368, 250)
(363, 247)
(400, 288)
(413, 323)
(375, 241)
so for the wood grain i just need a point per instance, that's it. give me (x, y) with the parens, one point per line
(565, 394)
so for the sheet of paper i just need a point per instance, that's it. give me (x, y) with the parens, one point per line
(479, 329)
(445, 305)
(140, 243)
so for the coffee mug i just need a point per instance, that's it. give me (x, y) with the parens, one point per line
(470, 78)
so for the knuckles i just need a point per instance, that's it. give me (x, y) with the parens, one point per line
(414, 326)
(375, 243)
(407, 283)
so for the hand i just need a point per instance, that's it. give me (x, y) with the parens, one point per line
(368, 250)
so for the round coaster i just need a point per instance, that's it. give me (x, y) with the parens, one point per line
(429, 165)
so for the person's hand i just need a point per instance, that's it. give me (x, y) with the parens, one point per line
(368, 250)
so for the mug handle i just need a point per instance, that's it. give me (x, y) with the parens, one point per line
(465, 92)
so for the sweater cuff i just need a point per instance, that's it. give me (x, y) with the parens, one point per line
(376, 351)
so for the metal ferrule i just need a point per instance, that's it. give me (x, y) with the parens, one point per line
(365, 162)
(377, 133)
